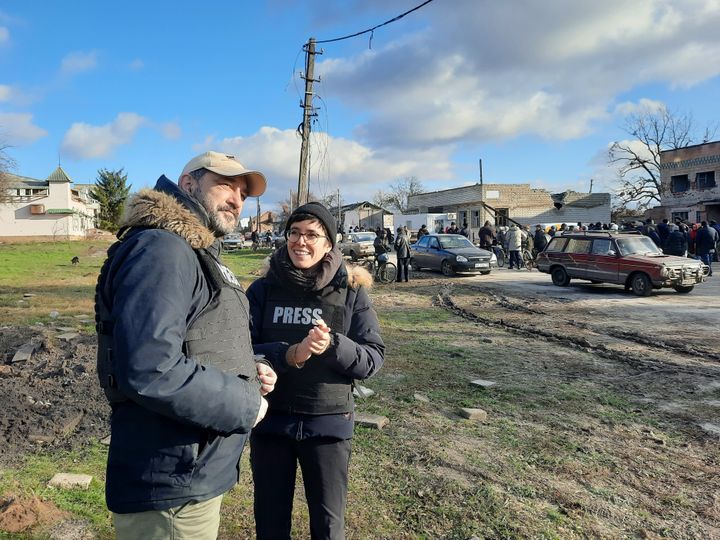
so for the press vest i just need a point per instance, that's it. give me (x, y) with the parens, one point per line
(218, 336)
(316, 388)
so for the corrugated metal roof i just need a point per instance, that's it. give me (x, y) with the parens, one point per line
(59, 175)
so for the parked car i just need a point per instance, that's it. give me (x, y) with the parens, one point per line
(358, 245)
(449, 253)
(232, 241)
(628, 259)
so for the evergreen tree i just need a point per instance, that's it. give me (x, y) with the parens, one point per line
(111, 191)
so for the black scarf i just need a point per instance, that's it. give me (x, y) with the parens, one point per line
(305, 281)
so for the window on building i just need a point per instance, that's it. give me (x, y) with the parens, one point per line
(476, 218)
(679, 183)
(679, 216)
(462, 218)
(501, 217)
(705, 180)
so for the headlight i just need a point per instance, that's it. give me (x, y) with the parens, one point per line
(665, 272)
(460, 258)
(493, 259)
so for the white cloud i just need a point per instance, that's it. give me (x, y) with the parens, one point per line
(77, 62)
(335, 162)
(137, 65)
(4, 35)
(6, 92)
(18, 128)
(487, 71)
(171, 130)
(84, 141)
(643, 106)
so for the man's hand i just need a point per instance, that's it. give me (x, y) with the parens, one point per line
(262, 411)
(267, 377)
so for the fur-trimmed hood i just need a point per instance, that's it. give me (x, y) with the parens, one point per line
(167, 207)
(357, 276)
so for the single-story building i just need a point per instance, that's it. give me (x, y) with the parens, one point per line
(50, 209)
(503, 204)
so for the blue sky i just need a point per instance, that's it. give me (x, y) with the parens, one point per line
(538, 90)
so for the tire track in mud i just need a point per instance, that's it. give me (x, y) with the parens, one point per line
(666, 345)
(444, 300)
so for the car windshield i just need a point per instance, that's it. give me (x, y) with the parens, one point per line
(638, 245)
(454, 242)
(363, 237)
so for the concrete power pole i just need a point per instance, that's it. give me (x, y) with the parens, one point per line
(303, 185)
(257, 223)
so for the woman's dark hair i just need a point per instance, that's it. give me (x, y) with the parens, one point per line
(295, 218)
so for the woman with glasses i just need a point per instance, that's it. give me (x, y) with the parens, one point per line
(313, 320)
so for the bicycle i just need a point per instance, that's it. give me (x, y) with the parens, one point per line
(499, 254)
(528, 259)
(381, 268)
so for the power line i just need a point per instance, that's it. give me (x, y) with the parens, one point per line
(376, 27)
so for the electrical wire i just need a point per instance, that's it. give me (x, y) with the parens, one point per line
(370, 30)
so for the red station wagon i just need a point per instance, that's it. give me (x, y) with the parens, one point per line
(628, 259)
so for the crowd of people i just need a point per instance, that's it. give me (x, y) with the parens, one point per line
(697, 240)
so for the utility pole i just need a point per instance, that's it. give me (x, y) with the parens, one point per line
(339, 212)
(303, 185)
(257, 222)
(482, 208)
(591, 183)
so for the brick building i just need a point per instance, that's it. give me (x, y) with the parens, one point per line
(690, 183)
(502, 204)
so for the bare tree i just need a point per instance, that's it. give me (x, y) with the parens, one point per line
(7, 164)
(399, 192)
(289, 204)
(639, 159)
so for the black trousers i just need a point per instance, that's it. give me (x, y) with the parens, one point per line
(403, 269)
(324, 463)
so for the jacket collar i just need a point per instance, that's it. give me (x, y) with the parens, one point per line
(169, 208)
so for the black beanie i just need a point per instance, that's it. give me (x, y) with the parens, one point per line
(318, 211)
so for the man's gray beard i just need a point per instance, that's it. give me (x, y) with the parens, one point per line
(215, 223)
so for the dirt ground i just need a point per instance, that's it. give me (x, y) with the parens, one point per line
(656, 471)
(51, 400)
(661, 352)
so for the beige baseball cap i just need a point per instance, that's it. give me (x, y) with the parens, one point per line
(228, 165)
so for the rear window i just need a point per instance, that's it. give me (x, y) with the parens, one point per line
(556, 244)
(578, 245)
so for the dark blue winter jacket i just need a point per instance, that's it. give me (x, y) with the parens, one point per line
(358, 352)
(179, 434)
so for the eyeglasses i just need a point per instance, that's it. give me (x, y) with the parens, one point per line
(311, 238)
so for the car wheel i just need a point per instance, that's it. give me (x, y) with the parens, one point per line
(413, 265)
(684, 289)
(641, 285)
(446, 268)
(559, 277)
(353, 255)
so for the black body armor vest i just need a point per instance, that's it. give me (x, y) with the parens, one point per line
(218, 336)
(316, 388)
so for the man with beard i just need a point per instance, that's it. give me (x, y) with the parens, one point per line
(175, 357)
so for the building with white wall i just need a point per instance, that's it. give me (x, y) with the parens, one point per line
(50, 209)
